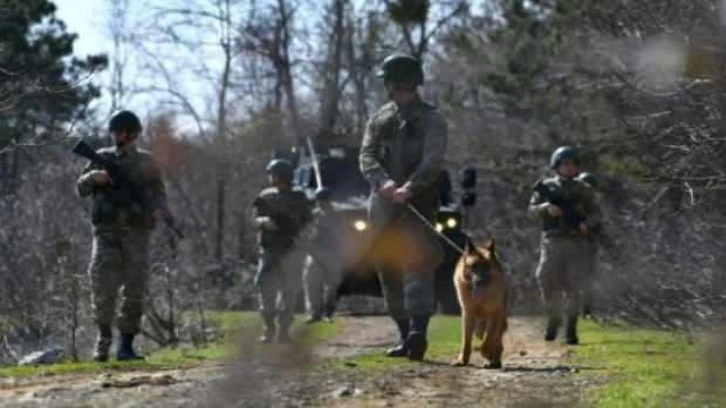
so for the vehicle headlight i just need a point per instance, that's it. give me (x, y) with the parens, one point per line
(452, 223)
(360, 225)
(439, 227)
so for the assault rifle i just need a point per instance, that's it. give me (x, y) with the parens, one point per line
(570, 219)
(120, 179)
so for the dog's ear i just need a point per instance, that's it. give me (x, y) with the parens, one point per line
(491, 245)
(467, 246)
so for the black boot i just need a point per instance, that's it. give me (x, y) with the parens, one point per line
(125, 351)
(103, 344)
(417, 343)
(268, 332)
(571, 330)
(328, 312)
(553, 324)
(401, 350)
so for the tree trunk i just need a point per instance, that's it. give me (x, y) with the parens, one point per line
(222, 134)
(331, 91)
(285, 71)
(358, 76)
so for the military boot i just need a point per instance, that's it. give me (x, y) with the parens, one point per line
(553, 324)
(417, 343)
(125, 351)
(103, 344)
(571, 330)
(328, 313)
(401, 350)
(268, 332)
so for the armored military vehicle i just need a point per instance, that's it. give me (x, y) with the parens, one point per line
(340, 173)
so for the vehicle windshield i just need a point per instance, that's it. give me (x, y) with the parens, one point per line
(342, 177)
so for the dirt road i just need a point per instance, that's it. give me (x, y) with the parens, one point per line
(535, 374)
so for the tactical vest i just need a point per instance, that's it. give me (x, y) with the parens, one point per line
(289, 210)
(114, 204)
(569, 199)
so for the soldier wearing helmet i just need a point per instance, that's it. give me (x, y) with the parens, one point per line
(121, 229)
(401, 156)
(280, 213)
(569, 211)
(326, 259)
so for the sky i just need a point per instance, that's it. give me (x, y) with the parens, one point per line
(89, 20)
(86, 18)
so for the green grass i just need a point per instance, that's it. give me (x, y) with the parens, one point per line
(236, 327)
(644, 368)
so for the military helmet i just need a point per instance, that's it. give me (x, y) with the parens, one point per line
(562, 153)
(125, 121)
(323, 193)
(588, 178)
(281, 168)
(401, 67)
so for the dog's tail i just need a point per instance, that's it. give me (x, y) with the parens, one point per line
(480, 326)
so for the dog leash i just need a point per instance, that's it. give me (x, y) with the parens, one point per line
(433, 228)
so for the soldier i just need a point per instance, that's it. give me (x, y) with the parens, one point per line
(280, 214)
(121, 230)
(401, 156)
(598, 237)
(569, 212)
(325, 262)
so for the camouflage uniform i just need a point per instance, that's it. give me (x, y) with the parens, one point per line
(324, 264)
(565, 252)
(280, 260)
(121, 230)
(405, 144)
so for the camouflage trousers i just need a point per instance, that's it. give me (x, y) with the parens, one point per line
(321, 277)
(119, 260)
(561, 272)
(407, 257)
(278, 282)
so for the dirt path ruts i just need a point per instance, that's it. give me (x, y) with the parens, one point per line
(535, 374)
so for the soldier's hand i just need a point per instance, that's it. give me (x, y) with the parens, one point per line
(101, 177)
(584, 228)
(402, 195)
(387, 189)
(554, 210)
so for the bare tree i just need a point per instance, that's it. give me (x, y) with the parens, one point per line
(332, 67)
(196, 27)
(269, 34)
(120, 32)
(418, 23)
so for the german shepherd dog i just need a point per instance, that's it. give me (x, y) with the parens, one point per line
(481, 287)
